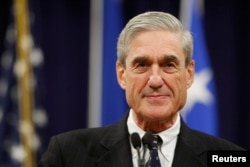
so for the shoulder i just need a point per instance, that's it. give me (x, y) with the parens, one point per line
(201, 140)
(74, 147)
(194, 146)
(74, 144)
(215, 142)
(97, 134)
(83, 135)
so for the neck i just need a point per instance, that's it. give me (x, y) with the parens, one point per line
(155, 126)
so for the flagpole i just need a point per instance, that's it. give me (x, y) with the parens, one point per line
(95, 63)
(24, 75)
(186, 12)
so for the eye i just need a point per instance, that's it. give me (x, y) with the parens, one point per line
(141, 64)
(141, 67)
(170, 64)
(169, 67)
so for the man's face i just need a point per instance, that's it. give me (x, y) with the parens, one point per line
(155, 78)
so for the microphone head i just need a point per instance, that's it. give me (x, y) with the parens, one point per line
(136, 140)
(147, 138)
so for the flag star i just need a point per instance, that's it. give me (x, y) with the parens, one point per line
(18, 153)
(25, 41)
(6, 60)
(36, 56)
(20, 68)
(10, 34)
(40, 117)
(199, 92)
(35, 142)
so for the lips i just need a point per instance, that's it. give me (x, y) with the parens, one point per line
(156, 96)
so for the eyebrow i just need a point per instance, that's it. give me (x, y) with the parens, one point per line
(147, 60)
(170, 58)
(140, 59)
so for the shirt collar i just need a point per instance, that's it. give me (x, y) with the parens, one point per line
(168, 136)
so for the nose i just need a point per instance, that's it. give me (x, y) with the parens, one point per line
(155, 81)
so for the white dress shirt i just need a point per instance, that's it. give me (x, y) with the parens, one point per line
(166, 150)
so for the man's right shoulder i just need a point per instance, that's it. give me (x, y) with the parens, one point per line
(84, 134)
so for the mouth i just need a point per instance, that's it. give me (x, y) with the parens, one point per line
(156, 97)
(156, 100)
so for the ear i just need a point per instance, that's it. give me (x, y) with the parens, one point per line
(190, 73)
(120, 73)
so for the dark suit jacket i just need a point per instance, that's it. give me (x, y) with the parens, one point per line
(109, 147)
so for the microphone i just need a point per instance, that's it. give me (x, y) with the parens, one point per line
(136, 142)
(146, 140)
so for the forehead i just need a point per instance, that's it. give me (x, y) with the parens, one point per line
(156, 44)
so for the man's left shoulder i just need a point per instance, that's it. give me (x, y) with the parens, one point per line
(215, 142)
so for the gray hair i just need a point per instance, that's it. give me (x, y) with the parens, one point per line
(151, 21)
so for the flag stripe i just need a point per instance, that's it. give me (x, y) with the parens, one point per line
(95, 63)
(113, 97)
(106, 99)
(200, 112)
(23, 71)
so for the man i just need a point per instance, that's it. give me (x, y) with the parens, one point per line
(155, 68)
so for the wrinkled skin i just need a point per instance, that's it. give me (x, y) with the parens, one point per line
(155, 79)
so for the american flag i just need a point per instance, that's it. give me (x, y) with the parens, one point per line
(23, 118)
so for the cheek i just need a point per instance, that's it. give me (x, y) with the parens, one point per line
(177, 85)
(181, 88)
(134, 87)
(136, 82)
(131, 94)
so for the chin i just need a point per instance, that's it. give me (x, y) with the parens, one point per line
(160, 113)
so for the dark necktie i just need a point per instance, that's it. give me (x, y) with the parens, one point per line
(154, 160)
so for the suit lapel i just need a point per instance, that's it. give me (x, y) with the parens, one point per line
(189, 150)
(184, 156)
(116, 147)
(118, 155)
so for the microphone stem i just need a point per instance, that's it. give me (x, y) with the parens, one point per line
(144, 151)
(138, 153)
(141, 161)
